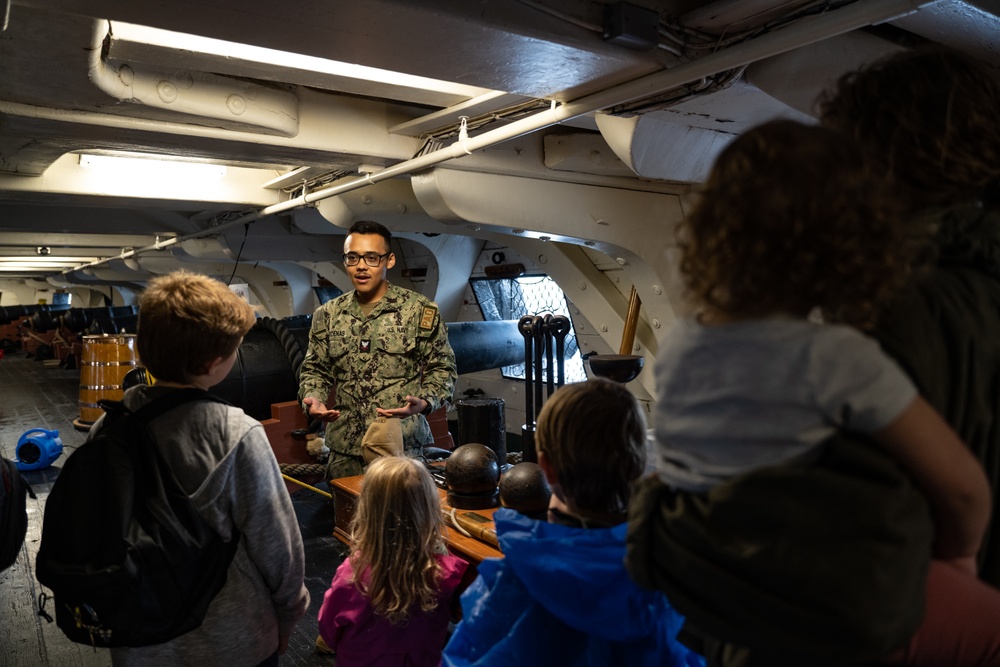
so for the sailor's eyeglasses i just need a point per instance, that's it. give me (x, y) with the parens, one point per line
(371, 258)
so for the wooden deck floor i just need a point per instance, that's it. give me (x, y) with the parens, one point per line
(34, 396)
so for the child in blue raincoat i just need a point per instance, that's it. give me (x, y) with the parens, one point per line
(561, 595)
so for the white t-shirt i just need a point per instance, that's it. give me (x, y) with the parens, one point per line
(740, 396)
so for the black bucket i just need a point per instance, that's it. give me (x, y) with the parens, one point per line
(482, 420)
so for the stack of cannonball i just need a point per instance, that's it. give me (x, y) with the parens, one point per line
(524, 489)
(472, 475)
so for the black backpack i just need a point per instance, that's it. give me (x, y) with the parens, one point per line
(13, 512)
(129, 560)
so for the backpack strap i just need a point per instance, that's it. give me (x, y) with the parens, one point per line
(173, 399)
(160, 405)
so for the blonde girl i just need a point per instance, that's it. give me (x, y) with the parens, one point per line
(391, 599)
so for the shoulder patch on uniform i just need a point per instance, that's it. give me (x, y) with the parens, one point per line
(427, 318)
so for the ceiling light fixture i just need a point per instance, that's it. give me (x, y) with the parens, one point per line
(49, 259)
(46, 268)
(257, 54)
(152, 166)
(45, 263)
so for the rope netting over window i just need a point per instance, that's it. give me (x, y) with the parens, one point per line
(513, 298)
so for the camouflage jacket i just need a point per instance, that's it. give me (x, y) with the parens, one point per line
(400, 349)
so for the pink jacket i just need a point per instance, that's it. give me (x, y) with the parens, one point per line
(349, 625)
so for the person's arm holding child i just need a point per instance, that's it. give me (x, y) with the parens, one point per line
(948, 474)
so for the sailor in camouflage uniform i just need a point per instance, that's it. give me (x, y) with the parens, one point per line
(379, 347)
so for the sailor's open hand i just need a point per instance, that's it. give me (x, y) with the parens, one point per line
(319, 411)
(414, 406)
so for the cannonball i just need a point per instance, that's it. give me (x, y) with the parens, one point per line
(472, 469)
(524, 489)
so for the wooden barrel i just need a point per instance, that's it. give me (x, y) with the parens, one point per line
(104, 361)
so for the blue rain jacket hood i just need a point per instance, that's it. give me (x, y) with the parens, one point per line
(561, 596)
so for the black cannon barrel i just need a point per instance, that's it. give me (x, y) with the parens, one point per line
(78, 319)
(116, 319)
(10, 313)
(47, 317)
(480, 346)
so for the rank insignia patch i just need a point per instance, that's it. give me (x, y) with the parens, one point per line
(365, 345)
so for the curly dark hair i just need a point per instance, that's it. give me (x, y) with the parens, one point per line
(790, 220)
(929, 119)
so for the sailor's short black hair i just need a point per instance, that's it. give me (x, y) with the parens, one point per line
(371, 227)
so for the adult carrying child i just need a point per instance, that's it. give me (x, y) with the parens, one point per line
(795, 456)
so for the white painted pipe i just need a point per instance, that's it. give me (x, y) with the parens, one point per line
(236, 103)
(808, 31)
(863, 13)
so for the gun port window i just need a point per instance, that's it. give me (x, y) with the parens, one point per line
(513, 298)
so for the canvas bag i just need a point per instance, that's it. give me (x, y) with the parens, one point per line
(128, 558)
(384, 437)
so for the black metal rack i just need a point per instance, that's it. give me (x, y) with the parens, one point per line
(544, 338)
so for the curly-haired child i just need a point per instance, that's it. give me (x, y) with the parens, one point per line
(391, 600)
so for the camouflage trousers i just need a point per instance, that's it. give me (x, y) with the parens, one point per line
(343, 465)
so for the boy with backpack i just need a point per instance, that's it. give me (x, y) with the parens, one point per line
(190, 329)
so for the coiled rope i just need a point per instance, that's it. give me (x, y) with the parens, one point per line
(302, 469)
(293, 348)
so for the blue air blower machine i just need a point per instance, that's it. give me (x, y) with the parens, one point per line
(37, 449)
